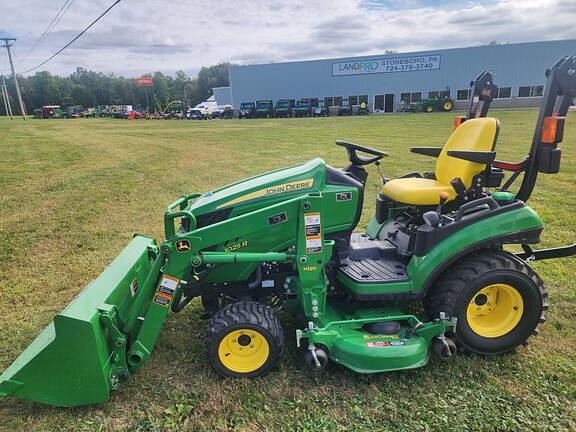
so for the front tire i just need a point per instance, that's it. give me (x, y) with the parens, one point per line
(498, 301)
(244, 339)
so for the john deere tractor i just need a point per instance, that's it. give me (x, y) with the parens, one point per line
(442, 104)
(283, 109)
(264, 109)
(287, 239)
(303, 108)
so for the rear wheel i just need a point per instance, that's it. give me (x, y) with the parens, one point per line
(498, 301)
(244, 339)
(447, 106)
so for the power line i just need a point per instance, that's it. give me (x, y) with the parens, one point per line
(74, 39)
(48, 29)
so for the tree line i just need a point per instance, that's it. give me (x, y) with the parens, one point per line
(89, 88)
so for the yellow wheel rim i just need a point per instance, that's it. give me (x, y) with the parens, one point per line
(495, 310)
(428, 109)
(447, 106)
(243, 351)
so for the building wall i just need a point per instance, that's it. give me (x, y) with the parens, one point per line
(514, 65)
(222, 95)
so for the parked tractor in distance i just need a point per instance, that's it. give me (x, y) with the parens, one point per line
(247, 110)
(363, 109)
(283, 109)
(74, 111)
(321, 110)
(264, 109)
(442, 104)
(303, 108)
(48, 112)
(345, 109)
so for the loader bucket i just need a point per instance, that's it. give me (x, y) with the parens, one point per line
(70, 363)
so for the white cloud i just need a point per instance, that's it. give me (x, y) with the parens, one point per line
(147, 35)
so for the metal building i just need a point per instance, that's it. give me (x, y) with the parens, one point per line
(222, 95)
(384, 80)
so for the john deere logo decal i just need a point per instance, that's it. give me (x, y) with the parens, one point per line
(183, 246)
(272, 190)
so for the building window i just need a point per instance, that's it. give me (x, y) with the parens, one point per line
(463, 95)
(530, 91)
(333, 101)
(357, 100)
(438, 94)
(337, 100)
(314, 102)
(523, 92)
(414, 97)
(503, 93)
(537, 91)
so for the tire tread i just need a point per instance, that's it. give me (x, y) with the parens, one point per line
(446, 289)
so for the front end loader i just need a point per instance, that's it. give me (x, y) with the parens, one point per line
(287, 240)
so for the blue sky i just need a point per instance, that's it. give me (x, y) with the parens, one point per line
(140, 36)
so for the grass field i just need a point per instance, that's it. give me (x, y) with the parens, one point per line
(74, 191)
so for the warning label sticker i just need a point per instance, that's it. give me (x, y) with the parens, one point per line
(380, 344)
(312, 219)
(165, 291)
(313, 245)
(313, 226)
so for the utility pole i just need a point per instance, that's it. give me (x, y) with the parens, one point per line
(7, 45)
(7, 106)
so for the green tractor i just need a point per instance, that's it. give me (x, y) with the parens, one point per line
(283, 109)
(442, 104)
(73, 111)
(264, 109)
(303, 108)
(286, 240)
(363, 109)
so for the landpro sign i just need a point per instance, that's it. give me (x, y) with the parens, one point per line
(387, 65)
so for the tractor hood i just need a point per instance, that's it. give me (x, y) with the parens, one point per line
(264, 189)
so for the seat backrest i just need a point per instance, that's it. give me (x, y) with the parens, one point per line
(472, 135)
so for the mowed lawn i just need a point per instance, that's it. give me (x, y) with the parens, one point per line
(74, 191)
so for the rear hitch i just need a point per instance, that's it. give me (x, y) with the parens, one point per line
(530, 255)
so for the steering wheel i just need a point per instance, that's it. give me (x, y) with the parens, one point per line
(355, 159)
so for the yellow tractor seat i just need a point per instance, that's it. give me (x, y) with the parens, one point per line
(417, 191)
(475, 135)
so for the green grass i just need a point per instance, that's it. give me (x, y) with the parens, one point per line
(74, 191)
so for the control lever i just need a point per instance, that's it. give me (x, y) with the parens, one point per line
(458, 186)
(384, 179)
(443, 198)
(434, 218)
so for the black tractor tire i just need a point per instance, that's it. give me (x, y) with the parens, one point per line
(263, 340)
(428, 109)
(460, 285)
